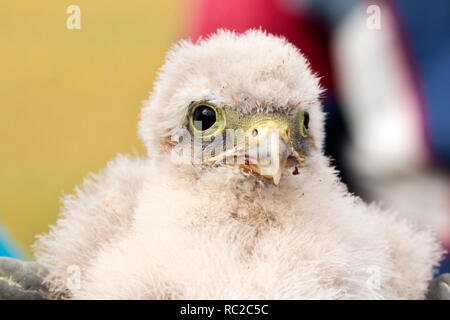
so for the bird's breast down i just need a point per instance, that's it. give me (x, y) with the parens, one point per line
(192, 242)
(157, 228)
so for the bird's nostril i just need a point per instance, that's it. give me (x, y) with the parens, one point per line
(255, 132)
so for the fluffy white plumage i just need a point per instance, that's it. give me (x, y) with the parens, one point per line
(146, 228)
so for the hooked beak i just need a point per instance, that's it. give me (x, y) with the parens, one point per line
(267, 151)
(269, 156)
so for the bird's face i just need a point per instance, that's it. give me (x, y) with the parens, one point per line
(264, 143)
(248, 102)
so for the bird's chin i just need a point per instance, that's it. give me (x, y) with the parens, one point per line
(274, 174)
(263, 170)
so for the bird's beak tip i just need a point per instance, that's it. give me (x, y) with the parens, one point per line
(277, 177)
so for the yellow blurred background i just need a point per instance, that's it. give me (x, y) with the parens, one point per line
(70, 99)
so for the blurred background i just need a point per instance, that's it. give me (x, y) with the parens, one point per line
(70, 98)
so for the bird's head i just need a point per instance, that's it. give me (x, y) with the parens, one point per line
(248, 102)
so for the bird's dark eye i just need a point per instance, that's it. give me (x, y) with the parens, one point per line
(204, 117)
(304, 123)
(306, 120)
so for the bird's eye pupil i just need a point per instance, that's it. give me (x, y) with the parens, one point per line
(306, 120)
(204, 117)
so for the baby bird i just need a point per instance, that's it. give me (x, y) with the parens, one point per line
(235, 198)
